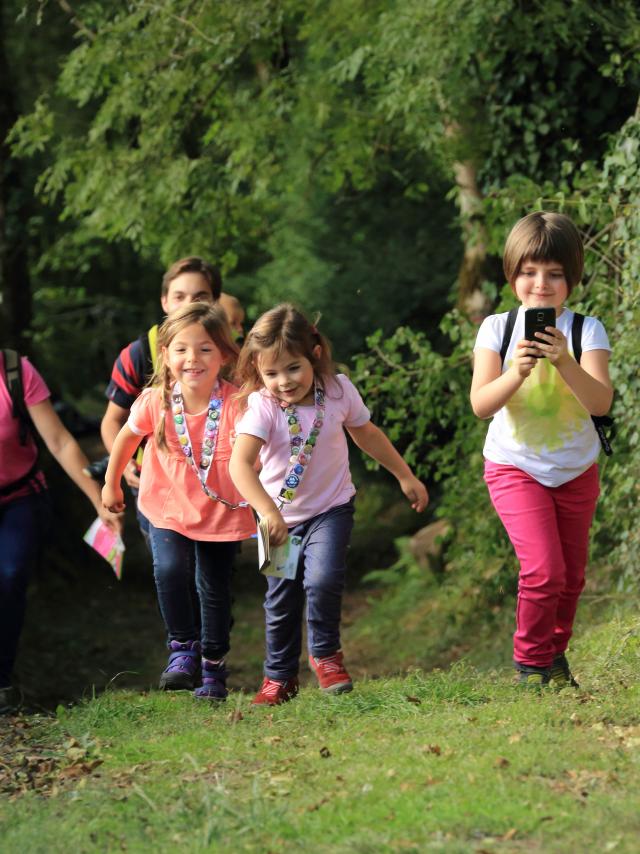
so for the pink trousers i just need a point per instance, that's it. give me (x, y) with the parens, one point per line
(549, 529)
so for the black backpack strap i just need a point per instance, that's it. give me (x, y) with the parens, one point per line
(602, 423)
(508, 332)
(576, 335)
(15, 387)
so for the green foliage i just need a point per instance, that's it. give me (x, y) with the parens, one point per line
(421, 396)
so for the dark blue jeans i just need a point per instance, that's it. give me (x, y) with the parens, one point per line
(143, 522)
(22, 528)
(321, 577)
(175, 560)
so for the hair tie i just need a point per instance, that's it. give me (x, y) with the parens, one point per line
(314, 329)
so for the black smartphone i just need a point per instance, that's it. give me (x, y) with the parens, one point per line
(535, 320)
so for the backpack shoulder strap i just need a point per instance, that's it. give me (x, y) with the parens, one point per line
(508, 332)
(576, 335)
(152, 338)
(15, 387)
(600, 422)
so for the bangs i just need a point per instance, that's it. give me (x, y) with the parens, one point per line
(544, 237)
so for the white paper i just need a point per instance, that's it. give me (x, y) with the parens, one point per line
(279, 561)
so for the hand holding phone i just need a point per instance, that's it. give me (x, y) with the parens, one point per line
(535, 320)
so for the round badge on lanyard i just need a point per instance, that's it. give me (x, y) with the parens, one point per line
(209, 439)
(301, 449)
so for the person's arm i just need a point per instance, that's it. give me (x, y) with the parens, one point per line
(376, 444)
(122, 450)
(589, 381)
(242, 468)
(490, 388)
(112, 423)
(70, 456)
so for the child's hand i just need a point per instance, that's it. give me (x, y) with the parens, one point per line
(132, 474)
(552, 344)
(415, 491)
(278, 531)
(114, 521)
(113, 498)
(524, 358)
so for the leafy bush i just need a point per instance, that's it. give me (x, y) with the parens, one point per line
(421, 396)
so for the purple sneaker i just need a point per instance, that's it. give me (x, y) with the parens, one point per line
(183, 668)
(214, 681)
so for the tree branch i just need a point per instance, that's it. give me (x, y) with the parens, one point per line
(77, 23)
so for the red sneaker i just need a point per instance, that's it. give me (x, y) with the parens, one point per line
(274, 693)
(332, 674)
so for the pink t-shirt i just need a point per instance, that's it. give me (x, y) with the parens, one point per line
(170, 492)
(17, 459)
(327, 480)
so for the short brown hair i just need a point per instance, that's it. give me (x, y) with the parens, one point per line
(194, 264)
(544, 236)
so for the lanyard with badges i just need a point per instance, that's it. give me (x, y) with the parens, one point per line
(209, 439)
(301, 449)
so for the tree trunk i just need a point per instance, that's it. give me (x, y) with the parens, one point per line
(471, 300)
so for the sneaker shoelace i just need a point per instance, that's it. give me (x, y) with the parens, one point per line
(331, 664)
(271, 688)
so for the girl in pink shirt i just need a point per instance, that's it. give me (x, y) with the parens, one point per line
(196, 515)
(297, 411)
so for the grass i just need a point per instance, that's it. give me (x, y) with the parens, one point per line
(456, 761)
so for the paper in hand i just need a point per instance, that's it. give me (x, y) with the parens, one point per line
(280, 561)
(107, 543)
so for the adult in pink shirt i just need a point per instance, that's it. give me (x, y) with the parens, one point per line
(23, 504)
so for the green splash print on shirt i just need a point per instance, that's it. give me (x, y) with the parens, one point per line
(544, 413)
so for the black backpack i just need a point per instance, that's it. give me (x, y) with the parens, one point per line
(15, 387)
(602, 423)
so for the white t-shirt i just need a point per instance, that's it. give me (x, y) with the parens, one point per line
(327, 481)
(543, 429)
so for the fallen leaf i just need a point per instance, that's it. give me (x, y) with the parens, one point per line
(510, 834)
(235, 716)
(325, 752)
(75, 753)
(415, 700)
(501, 762)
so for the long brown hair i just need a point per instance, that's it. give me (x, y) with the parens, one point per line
(214, 321)
(283, 329)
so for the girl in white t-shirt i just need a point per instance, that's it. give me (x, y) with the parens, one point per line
(297, 411)
(541, 446)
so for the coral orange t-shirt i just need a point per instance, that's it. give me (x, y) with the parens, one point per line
(171, 495)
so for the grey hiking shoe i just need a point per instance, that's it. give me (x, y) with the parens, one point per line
(560, 675)
(532, 677)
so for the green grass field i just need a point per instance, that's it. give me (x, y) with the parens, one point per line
(456, 761)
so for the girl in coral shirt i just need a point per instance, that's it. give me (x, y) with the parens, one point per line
(196, 514)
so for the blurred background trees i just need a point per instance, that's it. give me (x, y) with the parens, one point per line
(364, 158)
